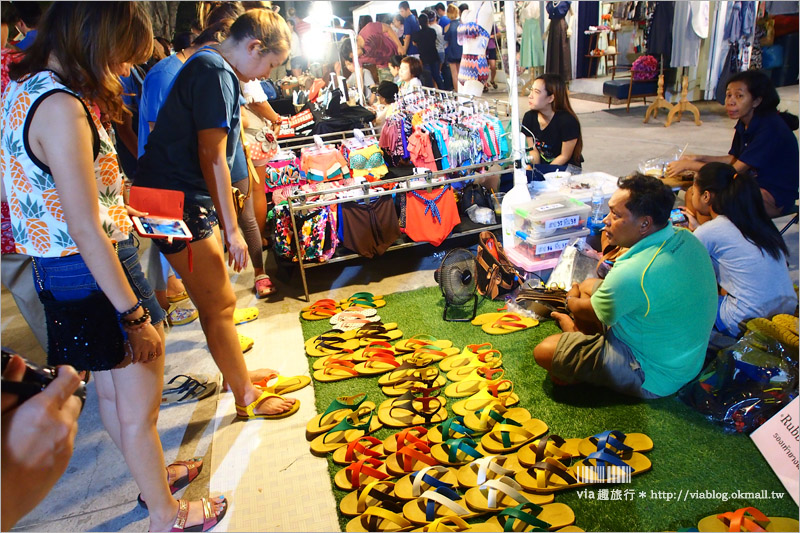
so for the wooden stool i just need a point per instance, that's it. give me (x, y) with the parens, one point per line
(660, 102)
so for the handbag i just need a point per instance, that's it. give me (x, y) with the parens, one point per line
(88, 334)
(543, 300)
(496, 275)
(473, 194)
(240, 198)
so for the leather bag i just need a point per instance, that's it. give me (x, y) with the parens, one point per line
(497, 276)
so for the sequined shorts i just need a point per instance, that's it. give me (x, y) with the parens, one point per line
(473, 68)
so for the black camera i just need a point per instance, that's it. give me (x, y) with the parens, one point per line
(34, 381)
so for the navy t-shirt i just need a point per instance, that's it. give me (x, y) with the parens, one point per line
(444, 21)
(410, 27)
(204, 95)
(770, 149)
(563, 127)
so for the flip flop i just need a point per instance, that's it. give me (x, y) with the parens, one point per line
(435, 353)
(320, 362)
(319, 310)
(373, 348)
(364, 448)
(510, 435)
(509, 323)
(410, 458)
(486, 318)
(378, 519)
(410, 410)
(375, 493)
(468, 356)
(530, 517)
(343, 315)
(283, 385)
(465, 372)
(486, 398)
(360, 473)
(615, 442)
(335, 413)
(329, 345)
(363, 296)
(378, 363)
(350, 320)
(452, 428)
(445, 524)
(336, 370)
(497, 494)
(420, 341)
(412, 486)
(186, 389)
(439, 503)
(333, 335)
(409, 365)
(264, 287)
(551, 475)
(250, 410)
(480, 379)
(352, 427)
(549, 446)
(488, 467)
(483, 420)
(428, 377)
(175, 298)
(378, 331)
(457, 452)
(242, 316)
(246, 343)
(405, 437)
(747, 519)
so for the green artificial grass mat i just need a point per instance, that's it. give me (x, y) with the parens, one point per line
(691, 457)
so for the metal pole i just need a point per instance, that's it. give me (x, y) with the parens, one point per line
(513, 96)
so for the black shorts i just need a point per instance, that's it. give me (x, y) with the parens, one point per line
(491, 53)
(199, 219)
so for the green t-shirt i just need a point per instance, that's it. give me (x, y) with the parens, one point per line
(668, 334)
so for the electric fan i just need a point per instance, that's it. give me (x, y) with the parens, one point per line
(456, 277)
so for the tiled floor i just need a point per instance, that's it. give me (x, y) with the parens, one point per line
(265, 469)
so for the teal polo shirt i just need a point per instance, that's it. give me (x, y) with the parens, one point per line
(660, 299)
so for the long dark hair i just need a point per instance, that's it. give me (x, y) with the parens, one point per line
(738, 197)
(554, 85)
(759, 85)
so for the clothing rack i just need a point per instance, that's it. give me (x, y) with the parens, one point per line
(299, 202)
(308, 140)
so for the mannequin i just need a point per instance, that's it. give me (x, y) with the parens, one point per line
(689, 27)
(473, 36)
(559, 59)
(532, 49)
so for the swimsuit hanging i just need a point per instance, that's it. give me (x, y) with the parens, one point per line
(430, 216)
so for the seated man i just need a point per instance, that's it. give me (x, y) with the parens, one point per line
(657, 304)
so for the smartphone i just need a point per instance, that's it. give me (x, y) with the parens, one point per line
(677, 217)
(34, 380)
(161, 228)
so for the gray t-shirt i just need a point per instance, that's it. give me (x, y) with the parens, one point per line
(757, 284)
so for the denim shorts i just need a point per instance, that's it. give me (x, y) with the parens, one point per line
(200, 219)
(68, 278)
(604, 361)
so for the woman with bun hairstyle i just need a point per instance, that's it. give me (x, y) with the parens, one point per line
(65, 191)
(763, 142)
(748, 253)
(552, 127)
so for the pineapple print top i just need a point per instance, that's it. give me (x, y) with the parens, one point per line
(38, 222)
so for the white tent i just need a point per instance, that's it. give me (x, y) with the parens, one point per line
(380, 8)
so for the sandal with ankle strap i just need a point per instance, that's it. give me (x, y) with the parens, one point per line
(194, 467)
(210, 518)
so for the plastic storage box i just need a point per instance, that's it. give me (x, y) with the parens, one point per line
(534, 250)
(550, 216)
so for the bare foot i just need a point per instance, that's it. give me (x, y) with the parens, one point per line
(275, 406)
(195, 516)
(255, 376)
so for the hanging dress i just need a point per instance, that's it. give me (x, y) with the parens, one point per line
(558, 53)
(532, 50)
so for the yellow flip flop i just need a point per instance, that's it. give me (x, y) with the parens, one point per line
(352, 427)
(747, 519)
(497, 494)
(412, 486)
(509, 323)
(531, 517)
(486, 398)
(242, 316)
(616, 442)
(509, 435)
(465, 372)
(363, 448)
(356, 475)
(329, 345)
(283, 384)
(468, 355)
(346, 355)
(550, 446)
(335, 413)
(250, 410)
(375, 493)
(378, 519)
(480, 379)
(488, 467)
(483, 420)
(486, 318)
(421, 341)
(336, 370)
(408, 410)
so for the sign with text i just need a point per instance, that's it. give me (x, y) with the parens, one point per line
(778, 439)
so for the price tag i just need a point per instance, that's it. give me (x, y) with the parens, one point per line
(548, 247)
(561, 223)
(549, 207)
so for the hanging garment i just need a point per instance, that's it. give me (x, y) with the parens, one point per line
(730, 67)
(685, 41)
(659, 41)
(325, 166)
(559, 60)
(369, 229)
(430, 216)
(368, 163)
(532, 51)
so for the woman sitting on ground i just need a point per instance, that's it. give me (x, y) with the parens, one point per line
(65, 188)
(410, 70)
(763, 143)
(748, 253)
(552, 127)
(192, 148)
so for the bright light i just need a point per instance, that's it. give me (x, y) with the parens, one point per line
(312, 42)
(321, 14)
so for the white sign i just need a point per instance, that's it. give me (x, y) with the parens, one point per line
(561, 223)
(548, 247)
(778, 441)
(549, 207)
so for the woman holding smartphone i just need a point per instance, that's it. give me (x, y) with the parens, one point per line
(65, 189)
(191, 149)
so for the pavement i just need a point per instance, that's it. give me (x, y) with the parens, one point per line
(264, 467)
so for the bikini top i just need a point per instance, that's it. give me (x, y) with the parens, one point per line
(368, 161)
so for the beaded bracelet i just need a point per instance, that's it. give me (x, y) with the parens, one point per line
(131, 310)
(132, 329)
(136, 321)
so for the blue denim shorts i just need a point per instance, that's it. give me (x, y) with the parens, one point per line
(68, 278)
(200, 219)
(600, 360)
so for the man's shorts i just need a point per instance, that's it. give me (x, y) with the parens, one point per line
(199, 219)
(604, 361)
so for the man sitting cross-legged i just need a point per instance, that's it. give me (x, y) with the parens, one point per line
(657, 305)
